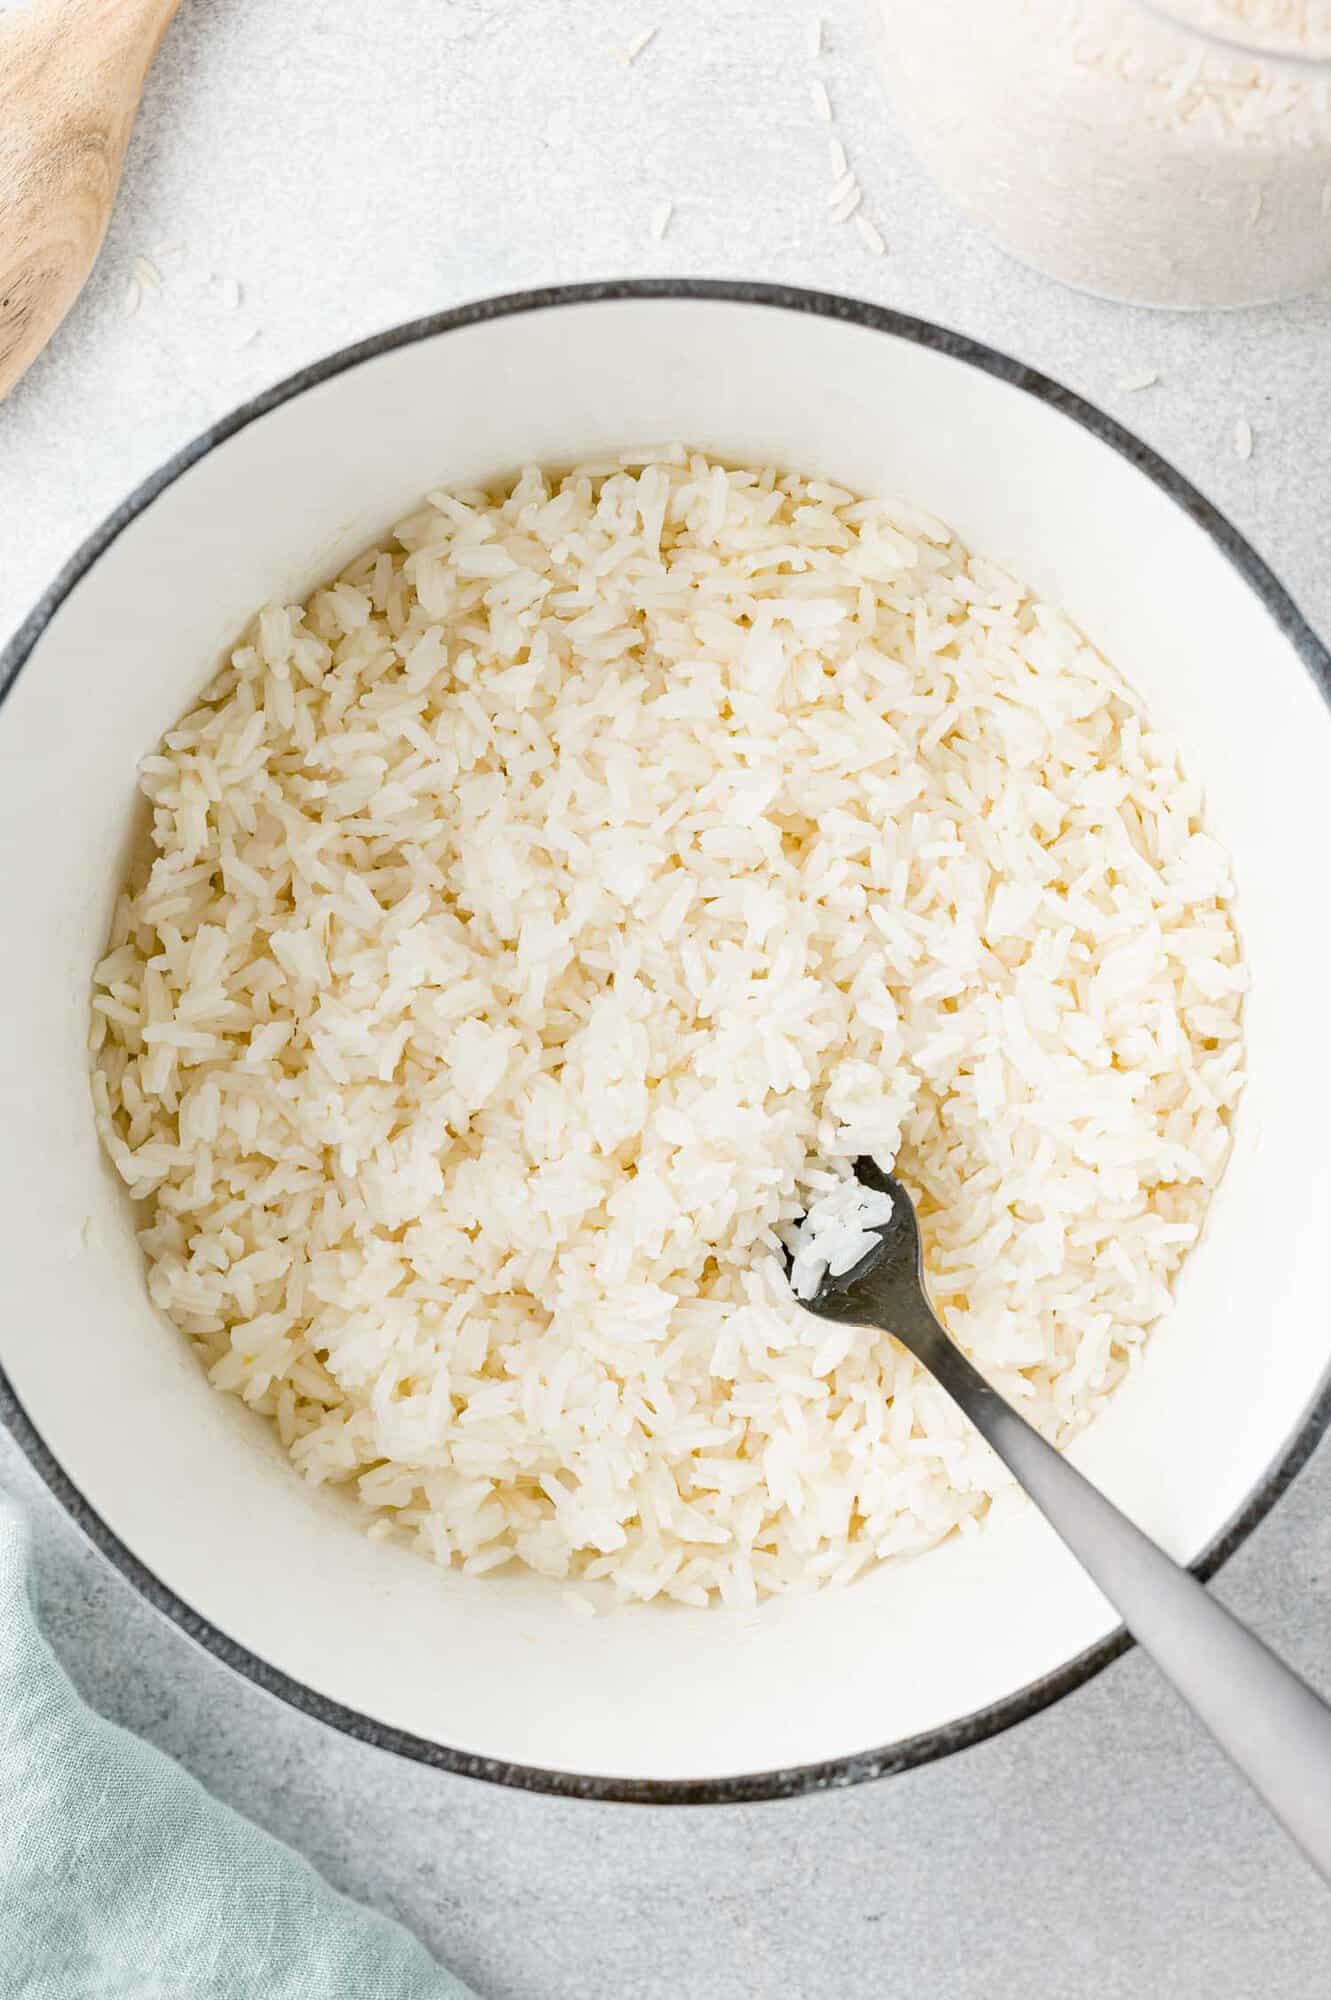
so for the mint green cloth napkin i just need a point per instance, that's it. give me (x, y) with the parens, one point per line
(121, 1879)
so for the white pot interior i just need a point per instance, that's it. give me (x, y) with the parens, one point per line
(197, 1488)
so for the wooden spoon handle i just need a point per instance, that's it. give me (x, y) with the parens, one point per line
(71, 75)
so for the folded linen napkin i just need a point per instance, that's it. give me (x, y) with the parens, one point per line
(120, 1876)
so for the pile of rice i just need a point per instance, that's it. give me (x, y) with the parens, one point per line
(538, 922)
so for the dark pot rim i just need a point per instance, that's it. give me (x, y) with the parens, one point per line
(836, 1772)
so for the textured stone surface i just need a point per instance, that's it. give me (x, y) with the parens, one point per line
(357, 163)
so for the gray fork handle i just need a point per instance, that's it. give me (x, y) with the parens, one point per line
(1269, 1723)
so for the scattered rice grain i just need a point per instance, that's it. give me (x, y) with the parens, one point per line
(638, 44)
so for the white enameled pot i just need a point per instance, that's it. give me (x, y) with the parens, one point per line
(190, 1495)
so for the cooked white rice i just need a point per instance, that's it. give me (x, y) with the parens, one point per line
(539, 921)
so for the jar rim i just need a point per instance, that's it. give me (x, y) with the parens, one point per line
(1280, 55)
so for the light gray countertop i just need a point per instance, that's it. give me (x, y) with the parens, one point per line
(349, 163)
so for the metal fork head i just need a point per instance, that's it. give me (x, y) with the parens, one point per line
(886, 1288)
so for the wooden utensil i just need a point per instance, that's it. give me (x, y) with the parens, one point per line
(71, 75)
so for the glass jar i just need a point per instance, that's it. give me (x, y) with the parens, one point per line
(1171, 155)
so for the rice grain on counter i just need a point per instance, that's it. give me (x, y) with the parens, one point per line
(540, 920)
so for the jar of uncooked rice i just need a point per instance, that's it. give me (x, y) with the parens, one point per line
(1174, 155)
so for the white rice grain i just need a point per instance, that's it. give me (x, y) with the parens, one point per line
(541, 918)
